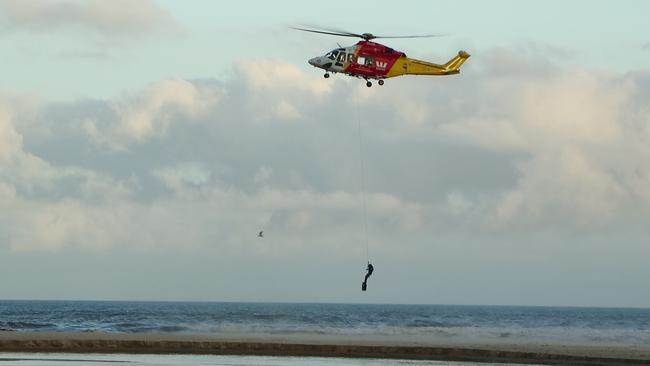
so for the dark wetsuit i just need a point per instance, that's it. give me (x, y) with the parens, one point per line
(365, 280)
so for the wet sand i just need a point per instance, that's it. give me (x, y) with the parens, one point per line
(303, 345)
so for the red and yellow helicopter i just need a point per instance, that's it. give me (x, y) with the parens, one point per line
(372, 60)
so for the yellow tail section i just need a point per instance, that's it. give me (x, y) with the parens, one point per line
(411, 66)
(455, 63)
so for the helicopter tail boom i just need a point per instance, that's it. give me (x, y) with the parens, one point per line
(417, 67)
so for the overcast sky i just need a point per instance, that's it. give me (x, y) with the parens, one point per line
(143, 144)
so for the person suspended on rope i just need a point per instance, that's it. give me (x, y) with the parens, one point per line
(261, 234)
(365, 280)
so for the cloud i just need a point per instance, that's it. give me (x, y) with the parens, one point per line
(40, 212)
(124, 18)
(560, 186)
(564, 123)
(576, 139)
(262, 77)
(58, 203)
(187, 173)
(149, 114)
(263, 174)
(10, 140)
(207, 163)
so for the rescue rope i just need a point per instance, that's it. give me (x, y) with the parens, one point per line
(363, 176)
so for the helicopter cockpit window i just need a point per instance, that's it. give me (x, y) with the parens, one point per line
(332, 55)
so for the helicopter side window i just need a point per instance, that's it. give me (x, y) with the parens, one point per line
(361, 60)
(332, 55)
(341, 57)
(370, 61)
(350, 57)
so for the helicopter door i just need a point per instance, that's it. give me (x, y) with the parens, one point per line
(340, 60)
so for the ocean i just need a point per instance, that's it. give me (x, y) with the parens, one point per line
(421, 323)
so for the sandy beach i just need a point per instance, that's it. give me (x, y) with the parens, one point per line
(323, 346)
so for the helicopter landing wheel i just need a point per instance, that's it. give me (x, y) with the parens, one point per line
(381, 82)
(326, 76)
(368, 84)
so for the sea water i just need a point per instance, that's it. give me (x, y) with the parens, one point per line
(436, 323)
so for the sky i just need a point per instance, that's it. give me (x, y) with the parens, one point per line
(142, 150)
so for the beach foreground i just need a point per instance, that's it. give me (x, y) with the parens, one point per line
(321, 346)
(57, 359)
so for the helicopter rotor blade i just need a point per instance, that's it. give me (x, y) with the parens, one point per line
(342, 34)
(421, 36)
(366, 36)
(333, 30)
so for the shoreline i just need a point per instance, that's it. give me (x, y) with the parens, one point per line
(321, 346)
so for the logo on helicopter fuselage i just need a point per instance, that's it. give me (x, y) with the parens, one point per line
(381, 65)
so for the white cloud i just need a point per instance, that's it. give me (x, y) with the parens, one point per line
(192, 217)
(286, 111)
(264, 75)
(18, 166)
(181, 174)
(10, 140)
(54, 207)
(184, 162)
(114, 17)
(458, 204)
(567, 124)
(486, 169)
(49, 223)
(150, 113)
(277, 90)
(560, 186)
(263, 174)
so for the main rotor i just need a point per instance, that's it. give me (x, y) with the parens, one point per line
(365, 36)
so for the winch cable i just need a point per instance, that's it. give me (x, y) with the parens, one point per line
(363, 176)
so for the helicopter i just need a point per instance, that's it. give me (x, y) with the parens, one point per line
(371, 60)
